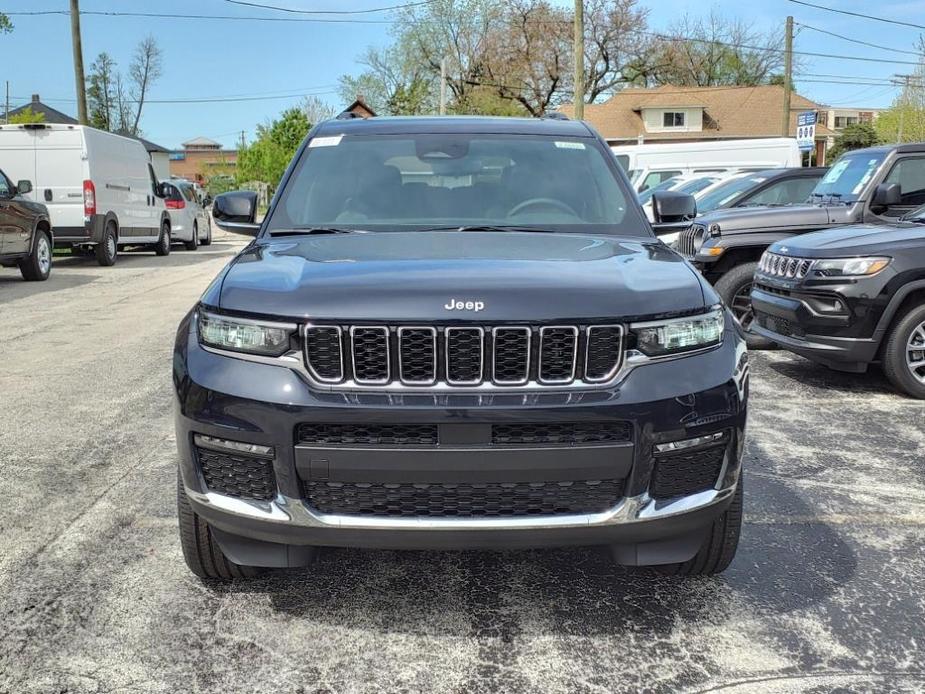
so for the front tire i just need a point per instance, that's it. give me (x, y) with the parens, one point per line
(720, 546)
(735, 288)
(201, 552)
(162, 247)
(37, 267)
(904, 353)
(193, 244)
(108, 247)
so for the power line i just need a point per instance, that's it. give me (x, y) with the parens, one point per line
(205, 100)
(858, 14)
(863, 43)
(295, 11)
(226, 17)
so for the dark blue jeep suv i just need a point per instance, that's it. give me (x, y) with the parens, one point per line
(456, 333)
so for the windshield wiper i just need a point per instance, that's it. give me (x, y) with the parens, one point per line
(488, 227)
(298, 231)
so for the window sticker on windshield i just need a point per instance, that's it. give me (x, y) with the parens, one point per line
(331, 141)
(569, 145)
(836, 171)
(871, 167)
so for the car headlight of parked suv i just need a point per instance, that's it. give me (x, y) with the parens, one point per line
(244, 335)
(851, 267)
(679, 335)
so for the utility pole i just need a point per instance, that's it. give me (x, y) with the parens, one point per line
(6, 113)
(243, 141)
(906, 84)
(78, 64)
(443, 86)
(579, 49)
(788, 77)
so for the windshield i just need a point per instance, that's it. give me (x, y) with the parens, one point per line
(418, 181)
(725, 194)
(847, 177)
(696, 185)
(918, 214)
(667, 184)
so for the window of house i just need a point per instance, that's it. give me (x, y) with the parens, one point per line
(842, 121)
(673, 119)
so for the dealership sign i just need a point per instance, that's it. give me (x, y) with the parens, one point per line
(806, 130)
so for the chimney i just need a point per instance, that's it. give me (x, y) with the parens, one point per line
(35, 98)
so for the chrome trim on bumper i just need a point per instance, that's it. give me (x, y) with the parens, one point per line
(294, 512)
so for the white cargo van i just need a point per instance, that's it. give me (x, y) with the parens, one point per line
(99, 188)
(649, 165)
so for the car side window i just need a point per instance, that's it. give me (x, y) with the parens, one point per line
(785, 192)
(909, 173)
(6, 188)
(656, 177)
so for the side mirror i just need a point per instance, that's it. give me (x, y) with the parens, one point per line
(24, 187)
(161, 191)
(236, 212)
(672, 211)
(886, 195)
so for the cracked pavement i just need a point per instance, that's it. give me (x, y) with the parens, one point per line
(826, 593)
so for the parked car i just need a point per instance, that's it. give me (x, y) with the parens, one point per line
(190, 223)
(503, 356)
(849, 297)
(866, 186)
(99, 188)
(760, 189)
(25, 231)
(647, 165)
(685, 183)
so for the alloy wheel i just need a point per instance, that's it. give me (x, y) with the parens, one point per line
(742, 306)
(44, 255)
(915, 353)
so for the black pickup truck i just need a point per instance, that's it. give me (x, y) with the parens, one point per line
(867, 186)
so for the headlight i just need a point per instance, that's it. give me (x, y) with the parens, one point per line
(678, 335)
(851, 267)
(244, 335)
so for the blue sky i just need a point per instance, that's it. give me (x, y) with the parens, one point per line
(212, 58)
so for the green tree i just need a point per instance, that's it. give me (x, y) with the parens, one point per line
(27, 115)
(268, 156)
(101, 94)
(6, 26)
(855, 136)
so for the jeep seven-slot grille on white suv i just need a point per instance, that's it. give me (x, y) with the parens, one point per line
(784, 266)
(423, 356)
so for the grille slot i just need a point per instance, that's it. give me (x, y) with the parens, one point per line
(681, 474)
(371, 355)
(558, 351)
(319, 433)
(687, 239)
(465, 356)
(603, 352)
(324, 353)
(464, 500)
(239, 476)
(417, 355)
(560, 433)
(511, 365)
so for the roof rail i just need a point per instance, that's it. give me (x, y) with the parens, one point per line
(555, 115)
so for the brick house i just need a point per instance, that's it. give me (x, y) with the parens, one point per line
(201, 158)
(673, 114)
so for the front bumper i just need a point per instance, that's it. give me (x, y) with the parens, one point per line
(846, 339)
(264, 404)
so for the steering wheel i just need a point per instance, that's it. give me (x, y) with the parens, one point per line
(537, 202)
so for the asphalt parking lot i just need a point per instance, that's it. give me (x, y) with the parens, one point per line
(826, 593)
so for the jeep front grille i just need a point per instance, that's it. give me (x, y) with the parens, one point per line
(463, 356)
(784, 266)
(691, 239)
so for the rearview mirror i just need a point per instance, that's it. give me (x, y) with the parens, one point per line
(672, 212)
(24, 187)
(886, 195)
(236, 212)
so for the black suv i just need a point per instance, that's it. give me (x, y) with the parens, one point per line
(872, 186)
(457, 332)
(25, 232)
(848, 297)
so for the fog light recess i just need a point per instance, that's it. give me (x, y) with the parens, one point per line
(218, 444)
(683, 444)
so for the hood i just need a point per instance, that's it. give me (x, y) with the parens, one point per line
(748, 219)
(855, 240)
(415, 276)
